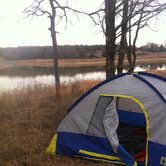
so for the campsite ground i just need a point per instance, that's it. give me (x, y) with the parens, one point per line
(29, 118)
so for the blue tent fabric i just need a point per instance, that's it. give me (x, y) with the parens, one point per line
(125, 156)
(70, 144)
(78, 142)
(155, 152)
(132, 118)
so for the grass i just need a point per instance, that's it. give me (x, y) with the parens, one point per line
(29, 118)
(158, 72)
(155, 58)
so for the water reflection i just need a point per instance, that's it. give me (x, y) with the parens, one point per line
(34, 71)
(9, 82)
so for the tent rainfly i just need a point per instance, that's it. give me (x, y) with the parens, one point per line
(121, 120)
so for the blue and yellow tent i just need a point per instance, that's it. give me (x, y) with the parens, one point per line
(121, 120)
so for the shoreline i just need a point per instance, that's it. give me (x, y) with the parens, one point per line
(76, 63)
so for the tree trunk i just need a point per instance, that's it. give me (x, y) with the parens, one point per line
(123, 42)
(129, 57)
(110, 37)
(55, 49)
(55, 59)
(129, 50)
(134, 44)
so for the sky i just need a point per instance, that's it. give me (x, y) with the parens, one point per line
(17, 30)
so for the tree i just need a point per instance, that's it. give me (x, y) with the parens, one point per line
(152, 47)
(162, 48)
(110, 33)
(134, 15)
(57, 12)
(123, 42)
(52, 17)
(120, 20)
(37, 9)
(144, 12)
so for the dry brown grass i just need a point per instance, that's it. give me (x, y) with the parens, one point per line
(158, 72)
(144, 59)
(28, 120)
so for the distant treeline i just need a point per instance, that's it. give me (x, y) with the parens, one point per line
(153, 47)
(68, 51)
(45, 52)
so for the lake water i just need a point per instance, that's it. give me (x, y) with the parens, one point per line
(19, 79)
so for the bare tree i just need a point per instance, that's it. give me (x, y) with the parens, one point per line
(55, 46)
(57, 12)
(37, 9)
(134, 15)
(143, 13)
(123, 42)
(121, 20)
(110, 8)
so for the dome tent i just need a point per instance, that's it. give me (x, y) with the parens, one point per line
(139, 102)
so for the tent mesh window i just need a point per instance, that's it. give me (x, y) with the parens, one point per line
(96, 124)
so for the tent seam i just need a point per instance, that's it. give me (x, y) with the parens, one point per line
(150, 86)
(153, 76)
(92, 89)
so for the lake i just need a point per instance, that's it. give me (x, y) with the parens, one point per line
(27, 77)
